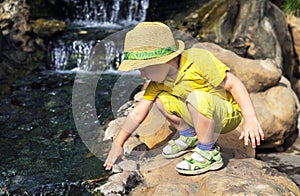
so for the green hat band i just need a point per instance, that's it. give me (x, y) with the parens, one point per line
(150, 54)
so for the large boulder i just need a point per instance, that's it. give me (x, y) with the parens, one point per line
(253, 29)
(294, 23)
(257, 75)
(277, 110)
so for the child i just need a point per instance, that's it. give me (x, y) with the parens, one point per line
(196, 92)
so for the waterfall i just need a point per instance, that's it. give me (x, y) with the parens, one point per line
(95, 17)
(106, 13)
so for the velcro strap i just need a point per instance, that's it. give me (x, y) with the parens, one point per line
(172, 143)
(203, 154)
(189, 159)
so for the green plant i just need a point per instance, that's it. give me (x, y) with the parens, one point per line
(291, 7)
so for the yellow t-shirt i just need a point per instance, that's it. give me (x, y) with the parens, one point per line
(198, 70)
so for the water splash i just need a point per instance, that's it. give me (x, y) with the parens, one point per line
(69, 55)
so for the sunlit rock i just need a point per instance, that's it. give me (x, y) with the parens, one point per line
(238, 177)
(257, 75)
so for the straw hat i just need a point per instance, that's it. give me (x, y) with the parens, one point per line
(149, 43)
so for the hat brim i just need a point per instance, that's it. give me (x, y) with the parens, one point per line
(129, 65)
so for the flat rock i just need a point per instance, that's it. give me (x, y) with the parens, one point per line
(238, 177)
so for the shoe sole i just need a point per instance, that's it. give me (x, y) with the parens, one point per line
(214, 166)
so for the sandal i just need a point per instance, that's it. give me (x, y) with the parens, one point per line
(200, 161)
(180, 146)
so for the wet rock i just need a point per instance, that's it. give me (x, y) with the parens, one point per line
(28, 127)
(120, 183)
(47, 28)
(112, 188)
(64, 188)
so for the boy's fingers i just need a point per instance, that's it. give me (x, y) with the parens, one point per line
(262, 135)
(107, 167)
(241, 136)
(246, 138)
(252, 139)
(257, 137)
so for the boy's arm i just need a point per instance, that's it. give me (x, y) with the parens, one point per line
(133, 120)
(251, 126)
(135, 117)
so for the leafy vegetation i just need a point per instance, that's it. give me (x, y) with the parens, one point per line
(291, 7)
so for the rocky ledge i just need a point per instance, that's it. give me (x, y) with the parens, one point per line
(242, 174)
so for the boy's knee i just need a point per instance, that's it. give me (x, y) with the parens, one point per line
(159, 104)
(157, 100)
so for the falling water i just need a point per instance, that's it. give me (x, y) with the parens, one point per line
(90, 22)
(109, 13)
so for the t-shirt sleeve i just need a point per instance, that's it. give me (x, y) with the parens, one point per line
(211, 68)
(152, 91)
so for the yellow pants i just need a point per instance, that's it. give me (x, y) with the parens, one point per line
(226, 117)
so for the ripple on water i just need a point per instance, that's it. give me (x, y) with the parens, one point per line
(41, 151)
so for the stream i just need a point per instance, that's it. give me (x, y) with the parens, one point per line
(41, 150)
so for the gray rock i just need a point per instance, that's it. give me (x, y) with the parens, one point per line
(128, 165)
(112, 187)
(120, 183)
(116, 169)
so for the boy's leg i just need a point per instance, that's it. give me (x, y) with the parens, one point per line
(188, 138)
(177, 122)
(205, 127)
(210, 115)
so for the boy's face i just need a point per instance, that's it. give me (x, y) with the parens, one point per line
(156, 73)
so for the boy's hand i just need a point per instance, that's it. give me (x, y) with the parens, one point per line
(115, 152)
(252, 130)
